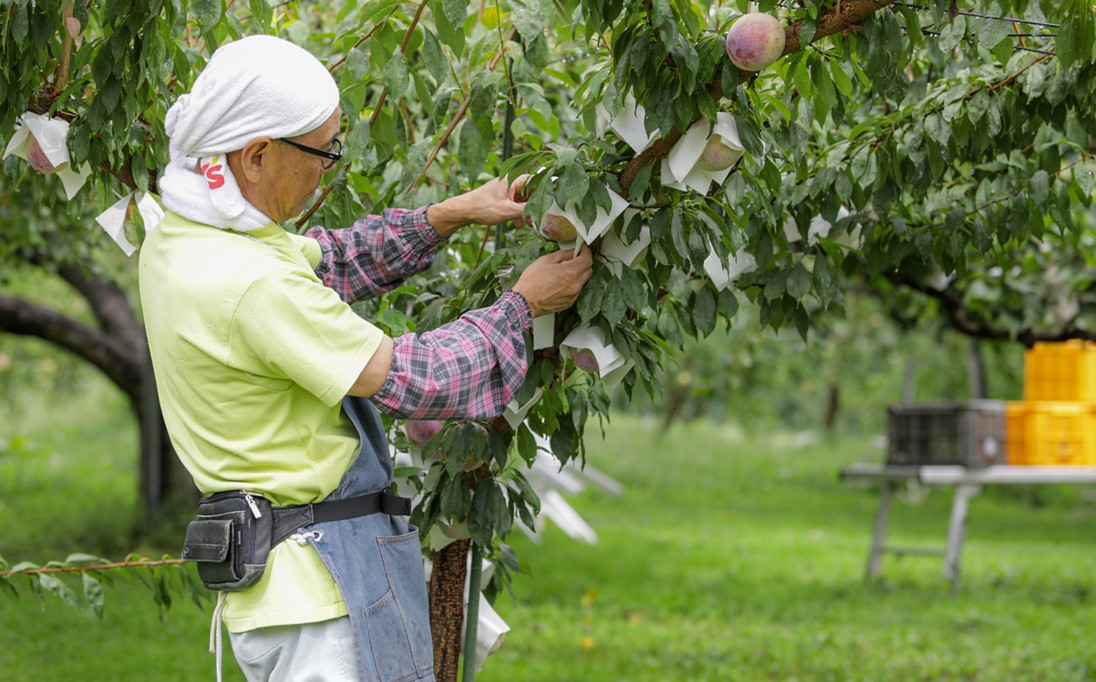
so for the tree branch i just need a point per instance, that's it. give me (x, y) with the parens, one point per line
(110, 305)
(18, 316)
(339, 62)
(457, 117)
(142, 563)
(61, 75)
(960, 318)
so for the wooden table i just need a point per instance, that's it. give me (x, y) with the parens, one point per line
(967, 482)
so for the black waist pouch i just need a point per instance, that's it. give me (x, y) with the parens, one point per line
(235, 530)
(230, 539)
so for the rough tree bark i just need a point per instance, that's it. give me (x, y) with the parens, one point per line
(450, 566)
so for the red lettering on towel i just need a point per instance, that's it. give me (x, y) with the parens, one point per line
(213, 173)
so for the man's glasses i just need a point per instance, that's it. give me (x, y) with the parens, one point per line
(332, 155)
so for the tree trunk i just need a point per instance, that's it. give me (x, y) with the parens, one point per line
(909, 381)
(447, 607)
(833, 405)
(976, 370)
(119, 349)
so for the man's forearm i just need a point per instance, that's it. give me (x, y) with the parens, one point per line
(470, 368)
(376, 254)
(450, 215)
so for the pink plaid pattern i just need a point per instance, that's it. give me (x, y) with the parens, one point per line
(470, 368)
(376, 253)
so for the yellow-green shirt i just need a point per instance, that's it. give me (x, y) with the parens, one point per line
(252, 356)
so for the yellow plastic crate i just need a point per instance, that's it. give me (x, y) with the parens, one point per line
(1061, 371)
(1050, 433)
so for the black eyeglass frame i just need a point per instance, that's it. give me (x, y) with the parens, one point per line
(333, 157)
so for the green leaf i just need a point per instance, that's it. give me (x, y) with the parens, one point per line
(1076, 35)
(54, 586)
(450, 34)
(633, 289)
(806, 31)
(455, 11)
(357, 140)
(989, 32)
(396, 77)
(455, 499)
(20, 24)
(727, 303)
(357, 64)
(841, 79)
(590, 300)
(801, 76)
(641, 182)
(207, 12)
(473, 150)
(613, 306)
(573, 185)
(1039, 187)
(799, 281)
(436, 64)
(527, 19)
(93, 594)
(704, 310)
(140, 172)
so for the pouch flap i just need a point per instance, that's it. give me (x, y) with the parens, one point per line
(207, 540)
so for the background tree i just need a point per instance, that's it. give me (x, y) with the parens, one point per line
(940, 153)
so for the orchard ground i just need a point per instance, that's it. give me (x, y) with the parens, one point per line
(729, 556)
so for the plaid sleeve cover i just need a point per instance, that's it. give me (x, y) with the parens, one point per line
(376, 253)
(470, 368)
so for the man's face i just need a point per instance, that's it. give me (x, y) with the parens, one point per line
(297, 174)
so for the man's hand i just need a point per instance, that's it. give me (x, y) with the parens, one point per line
(553, 282)
(497, 201)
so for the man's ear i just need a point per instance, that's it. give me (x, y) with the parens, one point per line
(254, 158)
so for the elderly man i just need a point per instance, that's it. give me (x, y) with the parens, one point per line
(263, 369)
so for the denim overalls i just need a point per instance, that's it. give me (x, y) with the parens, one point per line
(377, 564)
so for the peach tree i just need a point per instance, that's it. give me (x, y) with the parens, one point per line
(713, 154)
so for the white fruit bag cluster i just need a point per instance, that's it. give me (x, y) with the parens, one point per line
(617, 254)
(820, 229)
(724, 272)
(38, 136)
(588, 349)
(113, 220)
(516, 412)
(585, 233)
(628, 123)
(704, 154)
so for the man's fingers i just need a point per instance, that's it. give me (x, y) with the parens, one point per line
(517, 189)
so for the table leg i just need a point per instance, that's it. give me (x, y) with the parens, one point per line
(957, 529)
(879, 535)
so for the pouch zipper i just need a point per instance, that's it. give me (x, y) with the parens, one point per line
(251, 504)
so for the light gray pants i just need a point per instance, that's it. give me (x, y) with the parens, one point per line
(314, 652)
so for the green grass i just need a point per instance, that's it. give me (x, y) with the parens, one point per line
(735, 558)
(727, 557)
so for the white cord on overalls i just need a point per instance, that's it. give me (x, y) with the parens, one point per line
(215, 645)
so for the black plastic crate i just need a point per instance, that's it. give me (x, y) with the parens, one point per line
(967, 433)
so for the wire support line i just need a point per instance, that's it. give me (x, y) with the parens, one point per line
(1029, 22)
(1018, 48)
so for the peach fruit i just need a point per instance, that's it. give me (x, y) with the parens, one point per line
(755, 41)
(421, 430)
(585, 359)
(717, 156)
(559, 229)
(37, 158)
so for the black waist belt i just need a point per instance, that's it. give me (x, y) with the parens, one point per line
(288, 520)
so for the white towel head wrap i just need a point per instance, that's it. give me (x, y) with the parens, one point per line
(254, 87)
